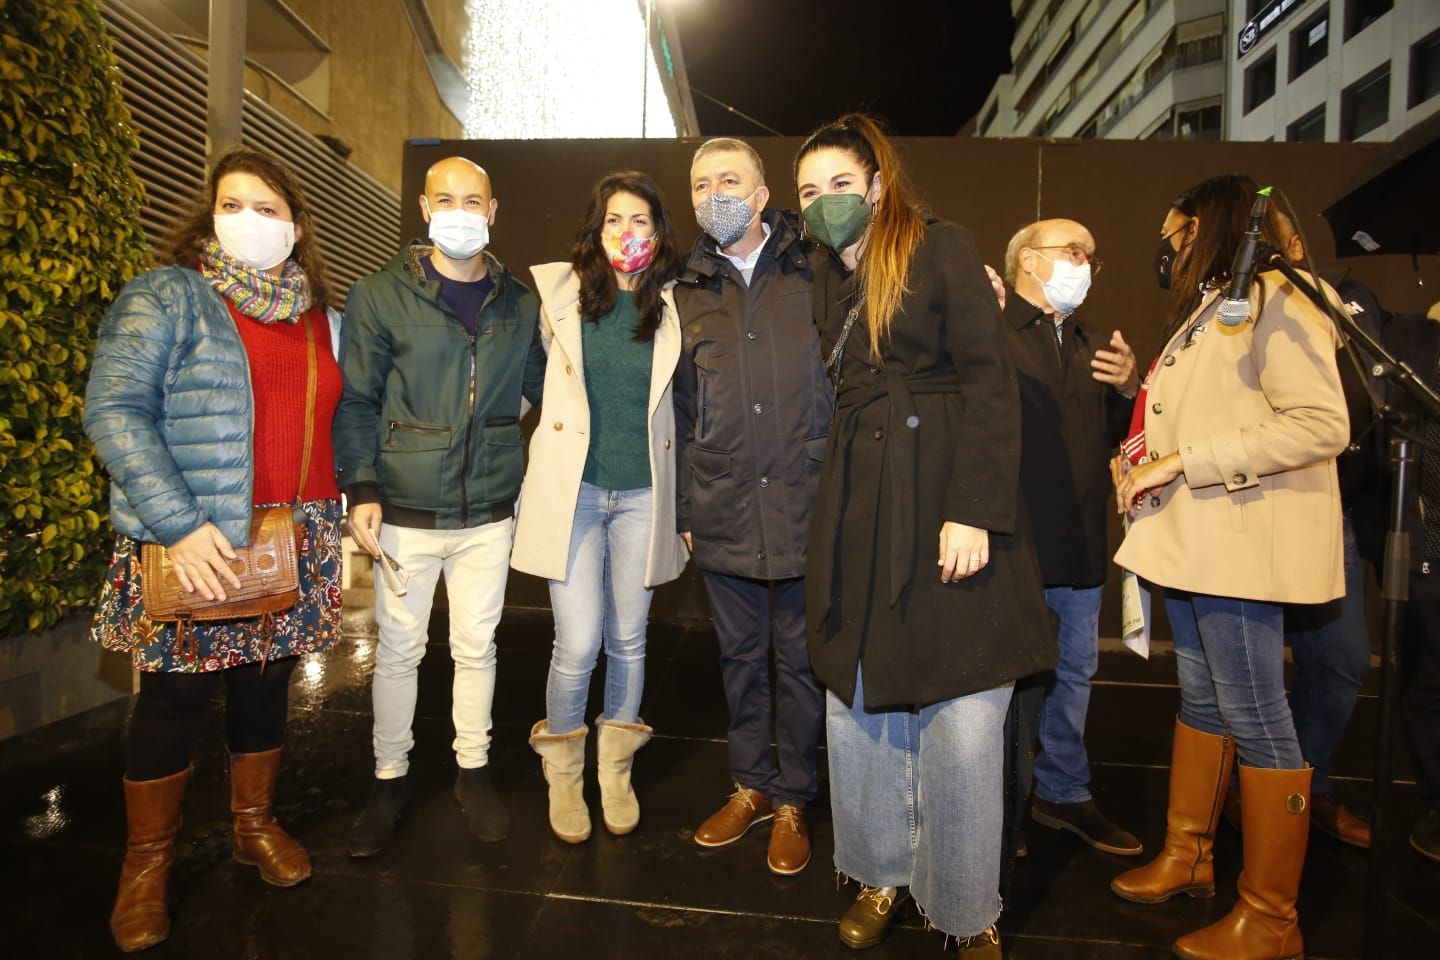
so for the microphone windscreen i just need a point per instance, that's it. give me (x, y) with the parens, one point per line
(1232, 313)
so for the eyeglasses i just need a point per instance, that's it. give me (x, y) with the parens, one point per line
(1077, 255)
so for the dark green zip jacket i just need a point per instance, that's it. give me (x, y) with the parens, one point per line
(429, 423)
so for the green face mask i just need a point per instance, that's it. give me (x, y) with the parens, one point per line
(837, 219)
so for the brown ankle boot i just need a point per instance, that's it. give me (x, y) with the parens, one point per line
(1200, 765)
(1275, 807)
(259, 840)
(141, 917)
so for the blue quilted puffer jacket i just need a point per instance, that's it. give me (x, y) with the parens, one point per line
(169, 408)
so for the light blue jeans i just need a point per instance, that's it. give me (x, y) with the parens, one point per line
(1062, 771)
(916, 797)
(1230, 659)
(604, 602)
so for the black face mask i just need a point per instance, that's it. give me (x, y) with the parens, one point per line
(1165, 257)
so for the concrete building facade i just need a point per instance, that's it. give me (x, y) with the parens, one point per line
(1114, 69)
(1332, 69)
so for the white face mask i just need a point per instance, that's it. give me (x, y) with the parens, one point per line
(459, 234)
(1067, 285)
(255, 240)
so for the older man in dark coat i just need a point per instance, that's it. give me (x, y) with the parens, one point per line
(752, 409)
(1075, 397)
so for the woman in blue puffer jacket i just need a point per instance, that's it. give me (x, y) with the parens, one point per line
(197, 405)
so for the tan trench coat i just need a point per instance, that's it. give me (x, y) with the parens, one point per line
(1257, 415)
(561, 442)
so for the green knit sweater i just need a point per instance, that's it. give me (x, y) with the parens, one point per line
(617, 384)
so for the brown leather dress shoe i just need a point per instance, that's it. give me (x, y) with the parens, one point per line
(868, 920)
(1332, 818)
(1085, 820)
(745, 808)
(789, 841)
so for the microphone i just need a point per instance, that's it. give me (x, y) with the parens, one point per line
(1235, 306)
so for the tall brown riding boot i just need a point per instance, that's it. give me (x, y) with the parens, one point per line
(1200, 765)
(259, 840)
(141, 917)
(1275, 808)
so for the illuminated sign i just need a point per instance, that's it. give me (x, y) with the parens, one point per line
(1264, 21)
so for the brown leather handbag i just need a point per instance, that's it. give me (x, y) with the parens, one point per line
(268, 568)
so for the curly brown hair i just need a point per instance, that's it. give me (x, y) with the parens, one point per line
(598, 289)
(197, 227)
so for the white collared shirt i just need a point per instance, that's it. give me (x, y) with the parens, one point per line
(746, 266)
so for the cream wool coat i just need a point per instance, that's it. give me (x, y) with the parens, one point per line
(561, 442)
(1257, 415)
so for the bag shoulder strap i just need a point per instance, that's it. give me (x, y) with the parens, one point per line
(312, 376)
(833, 364)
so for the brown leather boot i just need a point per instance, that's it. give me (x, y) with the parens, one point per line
(1275, 807)
(141, 917)
(1200, 765)
(259, 840)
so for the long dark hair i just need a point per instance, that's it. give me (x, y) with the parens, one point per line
(1222, 205)
(598, 288)
(197, 228)
(898, 225)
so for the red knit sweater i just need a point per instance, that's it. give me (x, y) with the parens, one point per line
(276, 352)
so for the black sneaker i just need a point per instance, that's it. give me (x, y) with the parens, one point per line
(488, 819)
(375, 827)
(1085, 820)
(1425, 838)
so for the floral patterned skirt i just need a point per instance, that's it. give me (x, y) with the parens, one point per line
(312, 625)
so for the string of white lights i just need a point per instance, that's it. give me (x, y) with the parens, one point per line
(561, 68)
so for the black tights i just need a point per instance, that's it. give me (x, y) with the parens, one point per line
(170, 713)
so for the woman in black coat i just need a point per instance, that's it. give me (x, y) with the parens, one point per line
(923, 604)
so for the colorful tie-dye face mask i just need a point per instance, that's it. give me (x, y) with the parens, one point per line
(628, 253)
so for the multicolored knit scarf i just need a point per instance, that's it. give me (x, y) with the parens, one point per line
(256, 294)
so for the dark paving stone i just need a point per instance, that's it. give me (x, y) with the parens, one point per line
(436, 893)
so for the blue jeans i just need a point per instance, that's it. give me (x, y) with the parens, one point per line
(1331, 648)
(1062, 771)
(605, 602)
(1230, 658)
(917, 800)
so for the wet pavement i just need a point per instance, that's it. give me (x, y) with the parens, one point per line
(434, 893)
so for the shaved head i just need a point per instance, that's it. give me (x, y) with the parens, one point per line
(457, 183)
(457, 170)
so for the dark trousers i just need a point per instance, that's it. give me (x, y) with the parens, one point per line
(1420, 696)
(747, 614)
(170, 713)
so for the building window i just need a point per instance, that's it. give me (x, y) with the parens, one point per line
(1365, 105)
(1359, 14)
(1198, 123)
(1260, 82)
(1309, 44)
(1309, 128)
(1425, 69)
(988, 121)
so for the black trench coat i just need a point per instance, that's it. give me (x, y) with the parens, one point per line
(929, 434)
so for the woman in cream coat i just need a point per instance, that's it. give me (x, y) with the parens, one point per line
(597, 508)
(1236, 511)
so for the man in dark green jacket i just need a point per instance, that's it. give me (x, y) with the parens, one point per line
(439, 351)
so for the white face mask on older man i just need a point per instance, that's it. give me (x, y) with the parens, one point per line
(1067, 286)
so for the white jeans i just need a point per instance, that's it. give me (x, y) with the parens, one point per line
(476, 563)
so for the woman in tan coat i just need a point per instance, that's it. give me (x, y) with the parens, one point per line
(597, 508)
(1236, 511)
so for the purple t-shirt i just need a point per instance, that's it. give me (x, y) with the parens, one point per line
(463, 298)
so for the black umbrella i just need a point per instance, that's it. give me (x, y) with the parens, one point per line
(1393, 206)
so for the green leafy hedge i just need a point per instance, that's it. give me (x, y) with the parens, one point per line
(70, 237)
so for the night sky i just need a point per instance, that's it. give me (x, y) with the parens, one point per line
(924, 66)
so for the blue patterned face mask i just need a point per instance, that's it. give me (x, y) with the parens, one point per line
(725, 218)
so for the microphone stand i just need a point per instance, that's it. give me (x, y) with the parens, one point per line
(1395, 585)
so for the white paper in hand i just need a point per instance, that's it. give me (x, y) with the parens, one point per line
(1134, 612)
